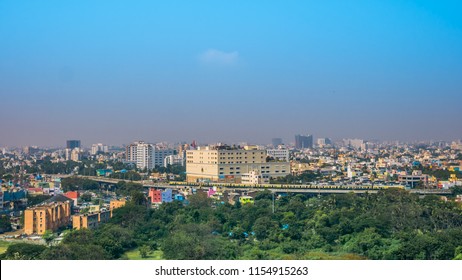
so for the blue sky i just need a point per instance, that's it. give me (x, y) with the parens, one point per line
(118, 71)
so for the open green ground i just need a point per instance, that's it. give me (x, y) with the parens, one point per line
(4, 245)
(135, 255)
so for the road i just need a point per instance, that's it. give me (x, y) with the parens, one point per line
(270, 187)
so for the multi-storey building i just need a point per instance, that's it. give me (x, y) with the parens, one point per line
(99, 148)
(303, 142)
(254, 178)
(226, 164)
(76, 154)
(155, 196)
(116, 204)
(141, 154)
(146, 155)
(278, 154)
(50, 215)
(174, 160)
(90, 220)
(72, 144)
(357, 144)
(324, 142)
(276, 142)
(414, 180)
(160, 155)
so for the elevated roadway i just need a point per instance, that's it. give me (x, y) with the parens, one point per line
(286, 188)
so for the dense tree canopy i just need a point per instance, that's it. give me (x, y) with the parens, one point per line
(392, 224)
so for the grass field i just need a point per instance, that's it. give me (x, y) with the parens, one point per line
(4, 245)
(135, 255)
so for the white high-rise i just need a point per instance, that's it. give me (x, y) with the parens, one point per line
(140, 153)
(146, 155)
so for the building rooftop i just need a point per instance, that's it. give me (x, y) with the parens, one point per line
(56, 198)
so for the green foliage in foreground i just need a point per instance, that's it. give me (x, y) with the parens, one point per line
(391, 224)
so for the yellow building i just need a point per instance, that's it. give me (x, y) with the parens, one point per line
(90, 220)
(116, 204)
(50, 215)
(227, 165)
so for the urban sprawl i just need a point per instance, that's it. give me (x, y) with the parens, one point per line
(47, 190)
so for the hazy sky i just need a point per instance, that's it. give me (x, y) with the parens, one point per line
(119, 71)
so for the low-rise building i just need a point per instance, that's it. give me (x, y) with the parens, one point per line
(414, 180)
(254, 177)
(114, 204)
(90, 220)
(155, 195)
(74, 195)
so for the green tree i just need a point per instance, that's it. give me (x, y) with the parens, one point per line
(144, 251)
(23, 251)
(5, 224)
(48, 236)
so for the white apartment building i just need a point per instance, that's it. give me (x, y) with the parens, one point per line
(146, 155)
(141, 154)
(174, 160)
(160, 155)
(255, 177)
(279, 154)
(96, 148)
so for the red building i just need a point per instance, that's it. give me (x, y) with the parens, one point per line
(155, 195)
(72, 195)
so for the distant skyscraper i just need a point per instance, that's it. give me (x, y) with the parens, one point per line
(276, 142)
(71, 144)
(303, 142)
(324, 142)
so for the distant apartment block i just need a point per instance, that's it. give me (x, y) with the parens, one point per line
(303, 141)
(278, 154)
(146, 155)
(275, 142)
(72, 144)
(50, 215)
(357, 144)
(226, 164)
(322, 142)
(99, 148)
(174, 160)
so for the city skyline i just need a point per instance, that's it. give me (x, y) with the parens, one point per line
(113, 72)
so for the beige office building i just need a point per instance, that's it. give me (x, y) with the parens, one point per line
(227, 165)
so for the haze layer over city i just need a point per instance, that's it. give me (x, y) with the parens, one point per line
(230, 130)
(114, 72)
